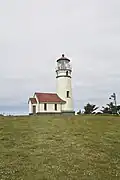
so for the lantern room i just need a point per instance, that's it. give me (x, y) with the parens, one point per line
(63, 66)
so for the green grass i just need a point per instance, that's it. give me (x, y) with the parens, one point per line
(60, 148)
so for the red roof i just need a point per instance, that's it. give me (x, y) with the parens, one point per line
(33, 100)
(48, 97)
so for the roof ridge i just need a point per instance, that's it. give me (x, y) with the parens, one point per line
(45, 93)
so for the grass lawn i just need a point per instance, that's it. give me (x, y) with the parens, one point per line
(60, 148)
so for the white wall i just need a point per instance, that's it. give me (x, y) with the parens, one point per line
(37, 105)
(63, 85)
(50, 107)
(31, 107)
(40, 107)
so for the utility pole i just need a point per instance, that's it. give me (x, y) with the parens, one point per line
(113, 96)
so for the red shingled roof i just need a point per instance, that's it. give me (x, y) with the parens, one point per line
(48, 97)
(33, 100)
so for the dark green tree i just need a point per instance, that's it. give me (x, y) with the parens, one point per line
(110, 109)
(118, 109)
(89, 108)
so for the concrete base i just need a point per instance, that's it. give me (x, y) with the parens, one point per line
(66, 113)
(48, 113)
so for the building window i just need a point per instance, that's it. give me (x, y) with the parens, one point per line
(55, 107)
(45, 107)
(68, 94)
(66, 73)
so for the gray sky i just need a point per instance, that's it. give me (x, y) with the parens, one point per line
(34, 33)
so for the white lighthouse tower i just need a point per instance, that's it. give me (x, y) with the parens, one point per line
(64, 84)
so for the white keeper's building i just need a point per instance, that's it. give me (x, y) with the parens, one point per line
(60, 102)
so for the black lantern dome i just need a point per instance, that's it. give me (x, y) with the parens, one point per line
(63, 58)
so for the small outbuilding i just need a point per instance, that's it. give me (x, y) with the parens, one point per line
(42, 103)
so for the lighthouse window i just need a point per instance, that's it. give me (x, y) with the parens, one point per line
(67, 73)
(68, 94)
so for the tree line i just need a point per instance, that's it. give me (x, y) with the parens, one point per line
(108, 109)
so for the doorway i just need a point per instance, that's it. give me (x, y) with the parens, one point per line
(34, 109)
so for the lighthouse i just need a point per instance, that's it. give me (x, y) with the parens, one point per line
(64, 84)
(60, 102)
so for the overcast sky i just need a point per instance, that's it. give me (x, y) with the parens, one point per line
(34, 33)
